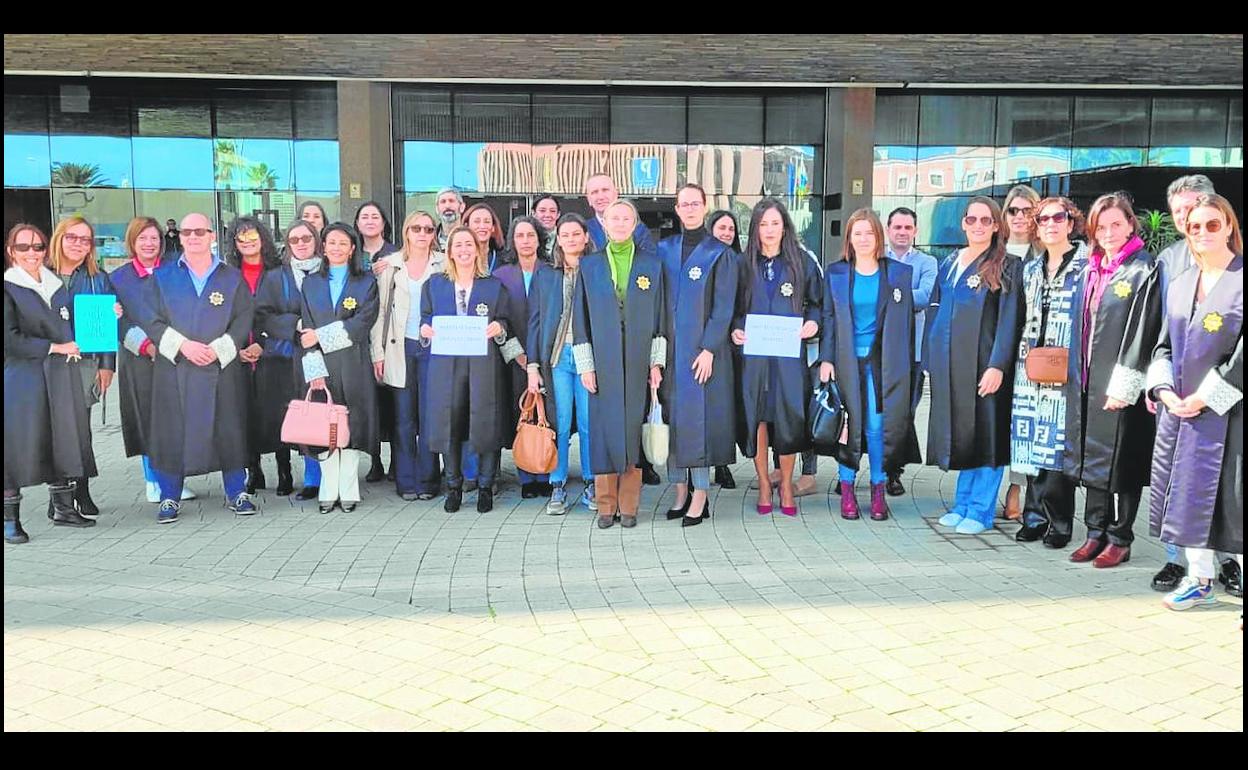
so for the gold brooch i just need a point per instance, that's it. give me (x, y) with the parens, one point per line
(1122, 290)
(786, 289)
(349, 303)
(643, 282)
(216, 298)
(1212, 323)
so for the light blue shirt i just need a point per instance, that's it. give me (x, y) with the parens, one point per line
(337, 282)
(923, 280)
(200, 281)
(528, 281)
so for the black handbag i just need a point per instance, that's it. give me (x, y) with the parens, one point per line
(828, 419)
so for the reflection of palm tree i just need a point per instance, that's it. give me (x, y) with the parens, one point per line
(263, 178)
(230, 161)
(77, 175)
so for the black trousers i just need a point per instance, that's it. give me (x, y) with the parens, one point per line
(1107, 518)
(487, 467)
(1050, 499)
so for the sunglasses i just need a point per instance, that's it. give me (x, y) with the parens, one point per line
(77, 238)
(249, 238)
(1015, 211)
(22, 248)
(1058, 218)
(298, 239)
(426, 229)
(198, 232)
(985, 221)
(1212, 226)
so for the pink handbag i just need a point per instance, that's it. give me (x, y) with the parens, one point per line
(313, 424)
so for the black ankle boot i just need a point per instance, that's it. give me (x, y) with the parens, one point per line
(13, 532)
(82, 496)
(255, 479)
(454, 499)
(485, 500)
(723, 477)
(376, 471)
(64, 513)
(285, 481)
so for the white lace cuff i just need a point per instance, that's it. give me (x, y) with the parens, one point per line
(170, 343)
(134, 339)
(314, 366)
(333, 337)
(658, 351)
(1218, 394)
(225, 349)
(1160, 375)
(583, 357)
(1125, 384)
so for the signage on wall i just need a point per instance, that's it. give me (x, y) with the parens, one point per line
(645, 173)
(354, 190)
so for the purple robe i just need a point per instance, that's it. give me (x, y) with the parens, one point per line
(1197, 486)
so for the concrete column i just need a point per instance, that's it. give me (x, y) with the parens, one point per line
(849, 158)
(364, 147)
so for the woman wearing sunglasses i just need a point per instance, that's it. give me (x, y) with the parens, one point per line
(400, 361)
(1050, 284)
(373, 227)
(972, 340)
(46, 436)
(1197, 374)
(279, 309)
(1108, 426)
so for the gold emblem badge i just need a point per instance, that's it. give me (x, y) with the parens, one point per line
(1122, 290)
(695, 273)
(1212, 323)
(216, 298)
(349, 303)
(65, 313)
(643, 282)
(973, 281)
(786, 289)
(483, 309)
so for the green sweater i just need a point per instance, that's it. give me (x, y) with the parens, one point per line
(620, 255)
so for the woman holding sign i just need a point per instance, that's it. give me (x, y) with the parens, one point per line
(780, 283)
(469, 382)
(973, 329)
(72, 256)
(46, 438)
(339, 308)
(868, 339)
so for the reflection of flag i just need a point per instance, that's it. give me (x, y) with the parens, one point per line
(799, 181)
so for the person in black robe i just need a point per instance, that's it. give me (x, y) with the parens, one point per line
(376, 236)
(1109, 428)
(722, 226)
(202, 315)
(779, 280)
(868, 337)
(340, 305)
(469, 396)
(973, 328)
(619, 347)
(699, 392)
(46, 436)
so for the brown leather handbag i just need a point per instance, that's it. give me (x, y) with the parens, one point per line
(1047, 366)
(534, 449)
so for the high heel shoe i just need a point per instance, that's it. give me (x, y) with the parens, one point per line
(786, 509)
(766, 508)
(676, 513)
(693, 521)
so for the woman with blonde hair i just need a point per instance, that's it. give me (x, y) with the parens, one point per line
(1020, 209)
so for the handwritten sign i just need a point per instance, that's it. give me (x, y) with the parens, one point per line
(777, 336)
(459, 335)
(95, 323)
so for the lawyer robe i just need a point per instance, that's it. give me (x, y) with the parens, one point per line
(279, 374)
(134, 371)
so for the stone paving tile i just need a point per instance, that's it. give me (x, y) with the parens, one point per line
(401, 617)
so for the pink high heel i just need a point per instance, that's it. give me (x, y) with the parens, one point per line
(763, 510)
(787, 511)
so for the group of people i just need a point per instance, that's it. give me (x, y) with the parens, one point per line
(1056, 357)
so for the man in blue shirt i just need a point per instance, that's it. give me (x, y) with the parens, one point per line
(902, 227)
(600, 192)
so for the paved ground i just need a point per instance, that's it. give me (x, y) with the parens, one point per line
(401, 616)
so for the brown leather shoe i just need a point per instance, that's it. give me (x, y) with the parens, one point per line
(1112, 556)
(806, 485)
(1089, 550)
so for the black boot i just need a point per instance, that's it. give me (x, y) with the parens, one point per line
(13, 532)
(454, 499)
(255, 478)
(64, 513)
(285, 481)
(723, 477)
(82, 496)
(485, 500)
(376, 471)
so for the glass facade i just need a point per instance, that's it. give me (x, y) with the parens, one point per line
(72, 148)
(934, 150)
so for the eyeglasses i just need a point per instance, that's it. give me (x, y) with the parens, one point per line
(1015, 211)
(295, 240)
(985, 221)
(22, 248)
(248, 238)
(83, 239)
(690, 205)
(198, 232)
(1211, 227)
(1057, 218)
(426, 229)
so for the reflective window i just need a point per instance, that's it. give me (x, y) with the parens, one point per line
(248, 113)
(939, 224)
(316, 164)
(109, 211)
(793, 170)
(172, 163)
(25, 114)
(726, 119)
(27, 162)
(1209, 157)
(496, 166)
(897, 119)
(427, 166)
(795, 119)
(1108, 121)
(466, 169)
(946, 120)
(573, 118)
(730, 170)
(174, 204)
(160, 116)
(316, 112)
(76, 110)
(944, 170)
(253, 164)
(1235, 124)
(649, 118)
(1086, 158)
(1200, 122)
(1033, 120)
(91, 161)
(422, 114)
(500, 117)
(894, 170)
(1020, 164)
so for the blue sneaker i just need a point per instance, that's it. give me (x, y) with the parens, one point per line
(168, 512)
(242, 505)
(970, 526)
(587, 497)
(951, 519)
(1190, 593)
(558, 504)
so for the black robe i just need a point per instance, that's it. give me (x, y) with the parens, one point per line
(621, 343)
(343, 351)
(891, 357)
(701, 297)
(134, 371)
(789, 377)
(512, 278)
(545, 311)
(970, 329)
(81, 282)
(46, 433)
(472, 391)
(198, 422)
(278, 377)
(1104, 449)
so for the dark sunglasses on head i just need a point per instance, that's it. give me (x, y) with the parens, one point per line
(297, 239)
(1057, 218)
(985, 221)
(198, 232)
(22, 248)
(1212, 226)
(1015, 211)
(428, 230)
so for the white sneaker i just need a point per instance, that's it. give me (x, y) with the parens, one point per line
(587, 497)
(153, 492)
(187, 494)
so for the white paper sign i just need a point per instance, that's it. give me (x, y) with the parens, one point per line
(778, 336)
(459, 335)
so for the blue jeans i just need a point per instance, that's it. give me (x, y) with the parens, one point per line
(149, 473)
(976, 493)
(234, 481)
(873, 426)
(311, 472)
(701, 477)
(415, 467)
(570, 396)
